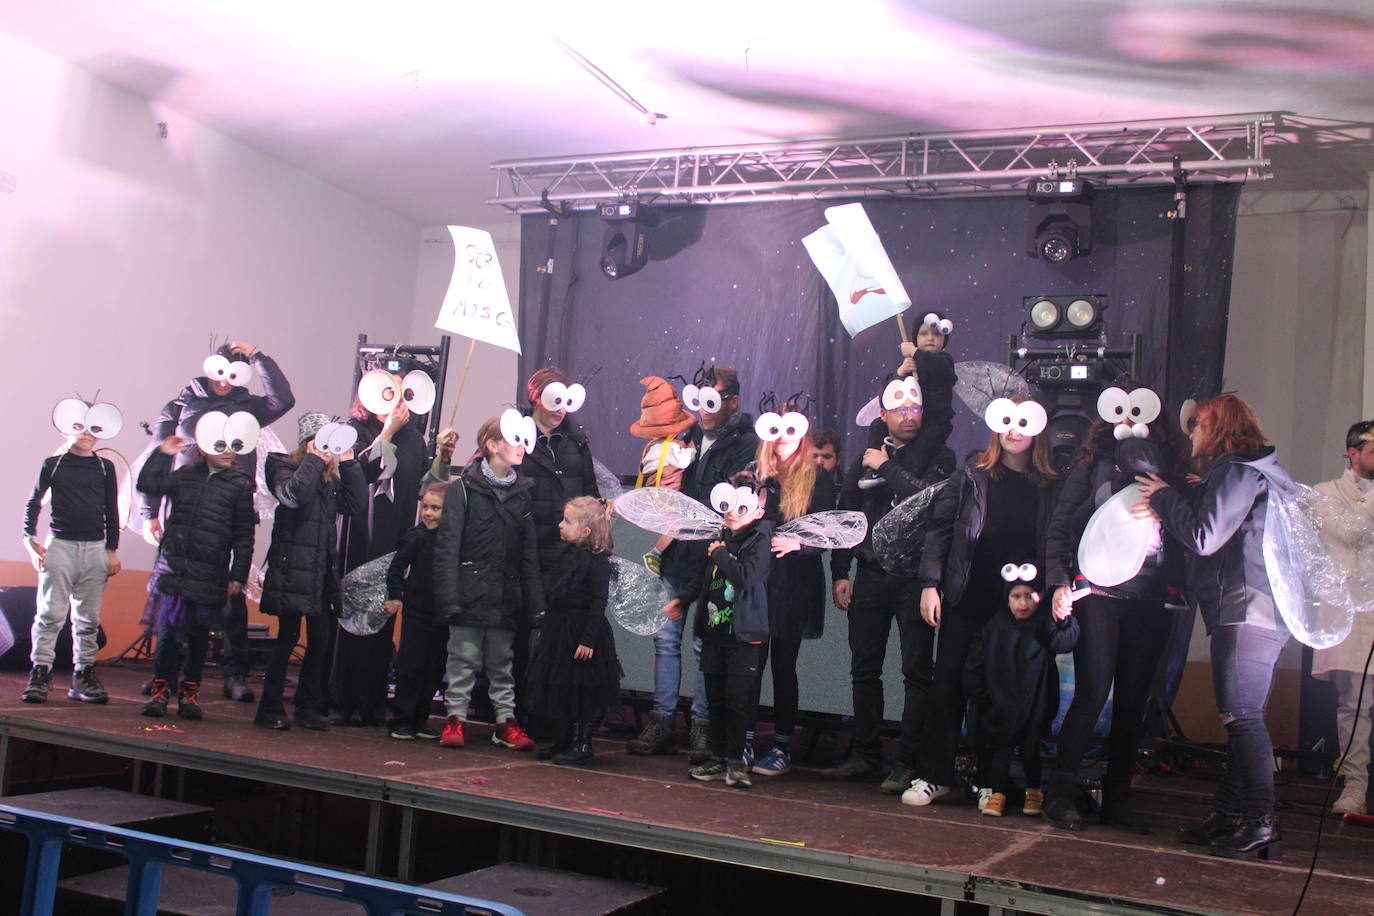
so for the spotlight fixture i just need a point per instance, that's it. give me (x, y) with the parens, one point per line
(625, 247)
(1059, 226)
(1065, 316)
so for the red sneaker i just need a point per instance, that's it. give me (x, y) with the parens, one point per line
(511, 735)
(453, 733)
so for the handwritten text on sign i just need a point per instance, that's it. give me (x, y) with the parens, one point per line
(476, 304)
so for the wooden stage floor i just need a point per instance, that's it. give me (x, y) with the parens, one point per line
(795, 824)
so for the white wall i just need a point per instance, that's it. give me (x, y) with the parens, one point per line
(121, 252)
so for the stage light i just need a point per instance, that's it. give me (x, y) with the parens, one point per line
(1081, 314)
(625, 247)
(1064, 316)
(1059, 226)
(1044, 315)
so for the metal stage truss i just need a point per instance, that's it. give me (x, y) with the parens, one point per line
(1216, 148)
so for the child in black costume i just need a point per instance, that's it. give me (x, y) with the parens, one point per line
(423, 653)
(1013, 682)
(732, 622)
(574, 672)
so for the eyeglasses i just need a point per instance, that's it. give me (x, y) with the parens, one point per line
(912, 411)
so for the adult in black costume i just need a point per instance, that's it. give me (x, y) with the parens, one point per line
(225, 389)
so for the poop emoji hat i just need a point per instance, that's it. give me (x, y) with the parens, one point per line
(661, 414)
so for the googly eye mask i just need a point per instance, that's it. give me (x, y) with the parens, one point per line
(789, 427)
(518, 429)
(1019, 572)
(218, 368)
(336, 438)
(556, 396)
(381, 391)
(943, 326)
(218, 433)
(902, 392)
(726, 499)
(1130, 412)
(73, 416)
(705, 399)
(1005, 415)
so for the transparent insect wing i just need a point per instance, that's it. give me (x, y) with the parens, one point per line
(512, 426)
(794, 426)
(710, 399)
(768, 427)
(945, 327)
(417, 389)
(836, 529)
(554, 397)
(1145, 406)
(723, 498)
(746, 501)
(239, 374)
(895, 394)
(529, 433)
(1010, 572)
(1113, 405)
(1031, 418)
(1027, 572)
(216, 368)
(241, 431)
(69, 416)
(210, 433)
(913, 390)
(104, 421)
(1000, 415)
(691, 398)
(665, 511)
(868, 413)
(378, 392)
(577, 396)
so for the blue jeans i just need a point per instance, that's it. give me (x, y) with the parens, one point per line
(668, 664)
(1243, 659)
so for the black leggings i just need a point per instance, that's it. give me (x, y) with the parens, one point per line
(731, 669)
(310, 687)
(786, 694)
(940, 734)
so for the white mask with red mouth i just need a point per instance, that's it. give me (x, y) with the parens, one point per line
(1130, 413)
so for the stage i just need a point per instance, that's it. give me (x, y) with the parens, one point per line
(797, 824)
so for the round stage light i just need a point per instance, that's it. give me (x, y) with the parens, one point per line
(1044, 315)
(1057, 244)
(1081, 313)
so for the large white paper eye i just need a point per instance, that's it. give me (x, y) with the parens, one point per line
(723, 498)
(69, 416)
(577, 396)
(794, 426)
(913, 390)
(932, 320)
(529, 433)
(1027, 572)
(323, 436)
(417, 390)
(1122, 431)
(239, 374)
(1010, 572)
(336, 438)
(1145, 405)
(241, 432)
(512, 426)
(1000, 415)
(691, 398)
(1113, 405)
(379, 392)
(554, 397)
(895, 394)
(768, 427)
(946, 327)
(710, 399)
(210, 430)
(1187, 415)
(746, 501)
(1031, 418)
(216, 368)
(104, 421)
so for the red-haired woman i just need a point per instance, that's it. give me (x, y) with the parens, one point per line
(1224, 528)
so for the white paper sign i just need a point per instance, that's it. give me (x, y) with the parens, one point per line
(476, 304)
(851, 257)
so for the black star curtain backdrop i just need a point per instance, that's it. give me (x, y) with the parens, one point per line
(734, 285)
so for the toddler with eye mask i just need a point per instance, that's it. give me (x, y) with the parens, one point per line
(206, 548)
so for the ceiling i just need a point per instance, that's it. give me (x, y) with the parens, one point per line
(407, 102)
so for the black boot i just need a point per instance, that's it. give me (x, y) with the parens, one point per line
(1255, 838)
(1117, 811)
(1062, 810)
(657, 738)
(1214, 825)
(579, 753)
(561, 744)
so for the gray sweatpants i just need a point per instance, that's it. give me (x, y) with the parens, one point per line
(73, 577)
(472, 649)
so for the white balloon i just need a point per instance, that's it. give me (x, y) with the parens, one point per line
(1114, 543)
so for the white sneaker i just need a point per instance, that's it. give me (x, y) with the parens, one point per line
(923, 793)
(983, 796)
(1352, 801)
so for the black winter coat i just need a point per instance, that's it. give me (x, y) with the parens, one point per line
(577, 585)
(1224, 528)
(560, 466)
(796, 583)
(376, 528)
(744, 560)
(731, 453)
(208, 539)
(410, 577)
(302, 562)
(486, 563)
(956, 524)
(1011, 674)
(180, 415)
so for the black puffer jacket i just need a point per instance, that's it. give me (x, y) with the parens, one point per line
(410, 577)
(956, 524)
(180, 415)
(731, 453)
(302, 563)
(208, 539)
(486, 563)
(1224, 529)
(560, 466)
(377, 527)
